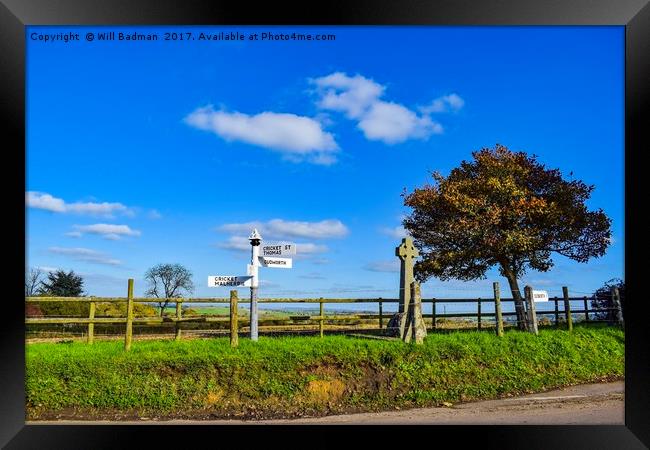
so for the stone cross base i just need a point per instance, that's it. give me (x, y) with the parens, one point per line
(411, 324)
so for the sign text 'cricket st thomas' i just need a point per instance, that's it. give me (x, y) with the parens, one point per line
(283, 249)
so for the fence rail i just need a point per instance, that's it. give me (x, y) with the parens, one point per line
(321, 318)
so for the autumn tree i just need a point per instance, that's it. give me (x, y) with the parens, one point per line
(168, 281)
(502, 209)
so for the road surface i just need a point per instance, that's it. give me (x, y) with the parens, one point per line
(590, 404)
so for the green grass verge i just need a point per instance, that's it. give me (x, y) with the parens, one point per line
(293, 376)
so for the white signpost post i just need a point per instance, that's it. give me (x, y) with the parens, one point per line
(256, 239)
(272, 256)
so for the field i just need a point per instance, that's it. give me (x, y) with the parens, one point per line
(303, 376)
(225, 311)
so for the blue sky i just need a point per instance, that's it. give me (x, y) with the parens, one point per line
(141, 153)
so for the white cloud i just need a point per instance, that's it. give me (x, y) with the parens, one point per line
(154, 214)
(398, 232)
(451, 102)
(359, 98)
(242, 244)
(330, 228)
(108, 231)
(393, 123)
(298, 138)
(312, 276)
(42, 200)
(310, 249)
(279, 229)
(86, 255)
(320, 261)
(269, 284)
(383, 266)
(351, 95)
(74, 234)
(236, 243)
(98, 209)
(276, 230)
(242, 228)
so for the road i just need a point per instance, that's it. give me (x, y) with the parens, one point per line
(590, 404)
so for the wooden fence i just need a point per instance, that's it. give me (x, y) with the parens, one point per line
(562, 309)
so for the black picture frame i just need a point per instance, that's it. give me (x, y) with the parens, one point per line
(633, 14)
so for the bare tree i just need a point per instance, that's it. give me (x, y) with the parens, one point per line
(33, 281)
(168, 281)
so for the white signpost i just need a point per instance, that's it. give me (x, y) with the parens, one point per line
(540, 296)
(283, 249)
(229, 280)
(255, 239)
(276, 263)
(271, 257)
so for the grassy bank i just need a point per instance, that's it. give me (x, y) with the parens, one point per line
(294, 376)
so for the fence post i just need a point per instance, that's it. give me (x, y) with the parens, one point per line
(479, 314)
(322, 312)
(584, 299)
(532, 316)
(381, 314)
(433, 313)
(557, 313)
(234, 336)
(91, 326)
(129, 317)
(616, 300)
(497, 308)
(179, 305)
(567, 308)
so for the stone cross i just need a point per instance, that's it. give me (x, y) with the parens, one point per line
(406, 252)
(411, 324)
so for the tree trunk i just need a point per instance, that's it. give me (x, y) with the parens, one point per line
(516, 295)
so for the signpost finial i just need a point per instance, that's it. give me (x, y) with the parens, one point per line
(255, 235)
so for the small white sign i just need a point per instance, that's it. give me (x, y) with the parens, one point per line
(540, 296)
(277, 263)
(229, 280)
(278, 249)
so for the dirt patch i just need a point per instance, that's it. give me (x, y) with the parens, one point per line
(325, 391)
(373, 381)
(214, 397)
(368, 380)
(325, 369)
